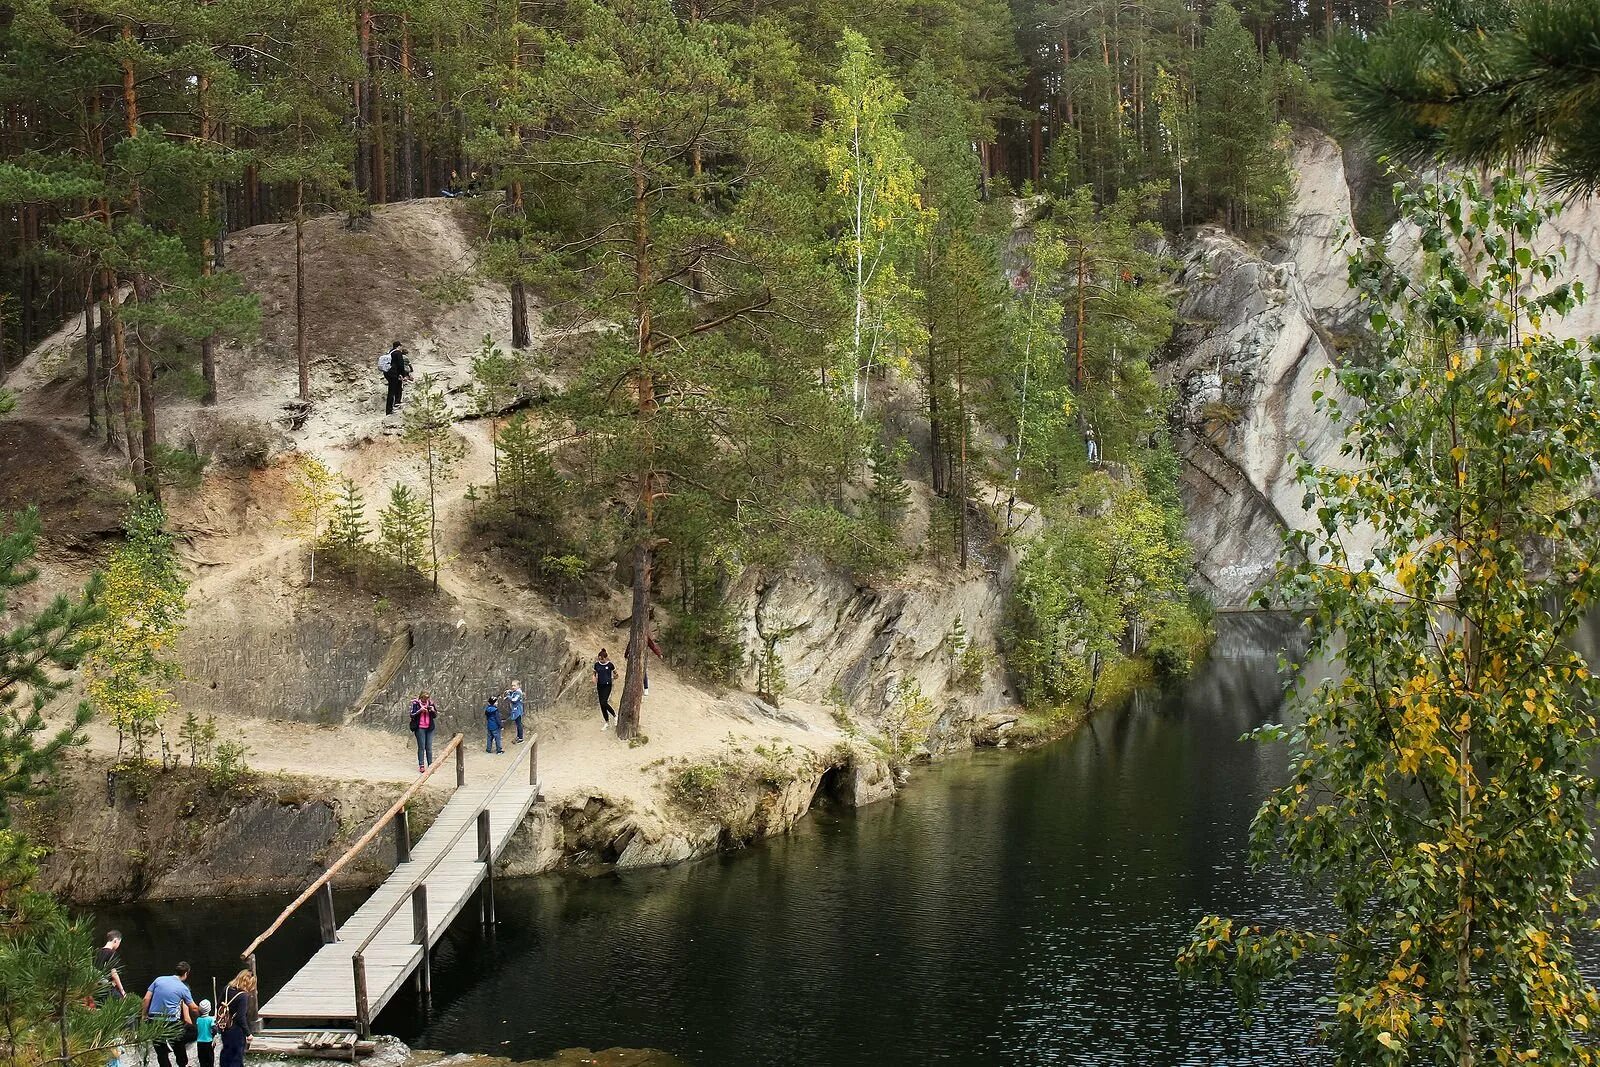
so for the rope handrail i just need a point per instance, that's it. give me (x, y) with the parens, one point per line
(469, 822)
(351, 852)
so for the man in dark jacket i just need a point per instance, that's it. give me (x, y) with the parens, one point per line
(396, 373)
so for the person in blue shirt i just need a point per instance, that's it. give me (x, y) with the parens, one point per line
(168, 1000)
(491, 715)
(204, 1033)
(514, 701)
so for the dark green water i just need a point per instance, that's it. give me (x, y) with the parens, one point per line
(1008, 908)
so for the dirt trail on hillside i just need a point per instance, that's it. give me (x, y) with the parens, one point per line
(577, 759)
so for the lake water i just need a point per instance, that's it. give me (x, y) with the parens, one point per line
(1006, 908)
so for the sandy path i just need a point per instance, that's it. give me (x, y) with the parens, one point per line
(577, 758)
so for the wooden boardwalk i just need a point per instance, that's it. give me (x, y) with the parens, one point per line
(367, 961)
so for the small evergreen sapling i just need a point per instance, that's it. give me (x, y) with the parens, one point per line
(403, 529)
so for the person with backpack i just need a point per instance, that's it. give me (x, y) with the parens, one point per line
(491, 718)
(233, 1018)
(424, 717)
(396, 371)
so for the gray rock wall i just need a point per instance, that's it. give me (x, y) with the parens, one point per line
(328, 669)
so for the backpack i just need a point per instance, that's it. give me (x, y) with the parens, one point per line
(224, 1015)
(385, 361)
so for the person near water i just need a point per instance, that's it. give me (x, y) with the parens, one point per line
(204, 1034)
(396, 371)
(514, 699)
(236, 998)
(424, 717)
(605, 672)
(168, 1000)
(491, 719)
(105, 958)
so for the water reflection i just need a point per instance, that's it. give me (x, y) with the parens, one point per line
(1007, 909)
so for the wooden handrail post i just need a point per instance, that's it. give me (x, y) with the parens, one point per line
(358, 963)
(325, 921)
(533, 763)
(486, 857)
(419, 933)
(255, 998)
(461, 765)
(402, 838)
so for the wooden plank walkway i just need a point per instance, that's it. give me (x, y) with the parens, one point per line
(324, 990)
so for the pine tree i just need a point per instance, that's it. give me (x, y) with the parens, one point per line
(36, 654)
(1479, 83)
(403, 528)
(496, 380)
(431, 435)
(348, 531)
(1241, 166)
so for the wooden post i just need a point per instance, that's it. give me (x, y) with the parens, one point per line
(330, 929)
(419, 933)
(533, 763)
(402, 838)
(461, 765)
(358, 963)
(255, 998)
(486, 857)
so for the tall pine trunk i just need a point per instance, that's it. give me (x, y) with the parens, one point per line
(89, 376)
(408, 146)
(363, 94)
(302, 356)
(148, 481)
(111, 312)
(208, 343)
(628, 714)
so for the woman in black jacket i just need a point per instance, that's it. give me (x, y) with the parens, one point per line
(238, 996)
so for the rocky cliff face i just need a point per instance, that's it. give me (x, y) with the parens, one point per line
(1259, 329)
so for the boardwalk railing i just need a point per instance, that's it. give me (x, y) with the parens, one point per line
(322, 888)
(417, 891)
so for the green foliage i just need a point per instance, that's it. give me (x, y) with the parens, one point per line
(496, 381)
(348, 533)
(873, 180)
(181, 467)
(429, 432)
(199, 736)
(403, 530)
(1441, 784)
(532, 506)
(36, 652)
(903, 726)
(1241, 162)
(888, 496)
(311, 503)
(134, 659)
(1107, 572)
(227, 767)
(1479, 84)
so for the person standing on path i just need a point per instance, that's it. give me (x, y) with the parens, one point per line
(514, 700)
(105, 958)
(236, 1013)
(605, 672)
(424, 717)
(169, 1001)
(396, 371)
(491, 718)
(204, 1034)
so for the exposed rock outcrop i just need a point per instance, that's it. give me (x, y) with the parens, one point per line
(1257, 335)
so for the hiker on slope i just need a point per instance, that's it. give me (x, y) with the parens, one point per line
(396, 371)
